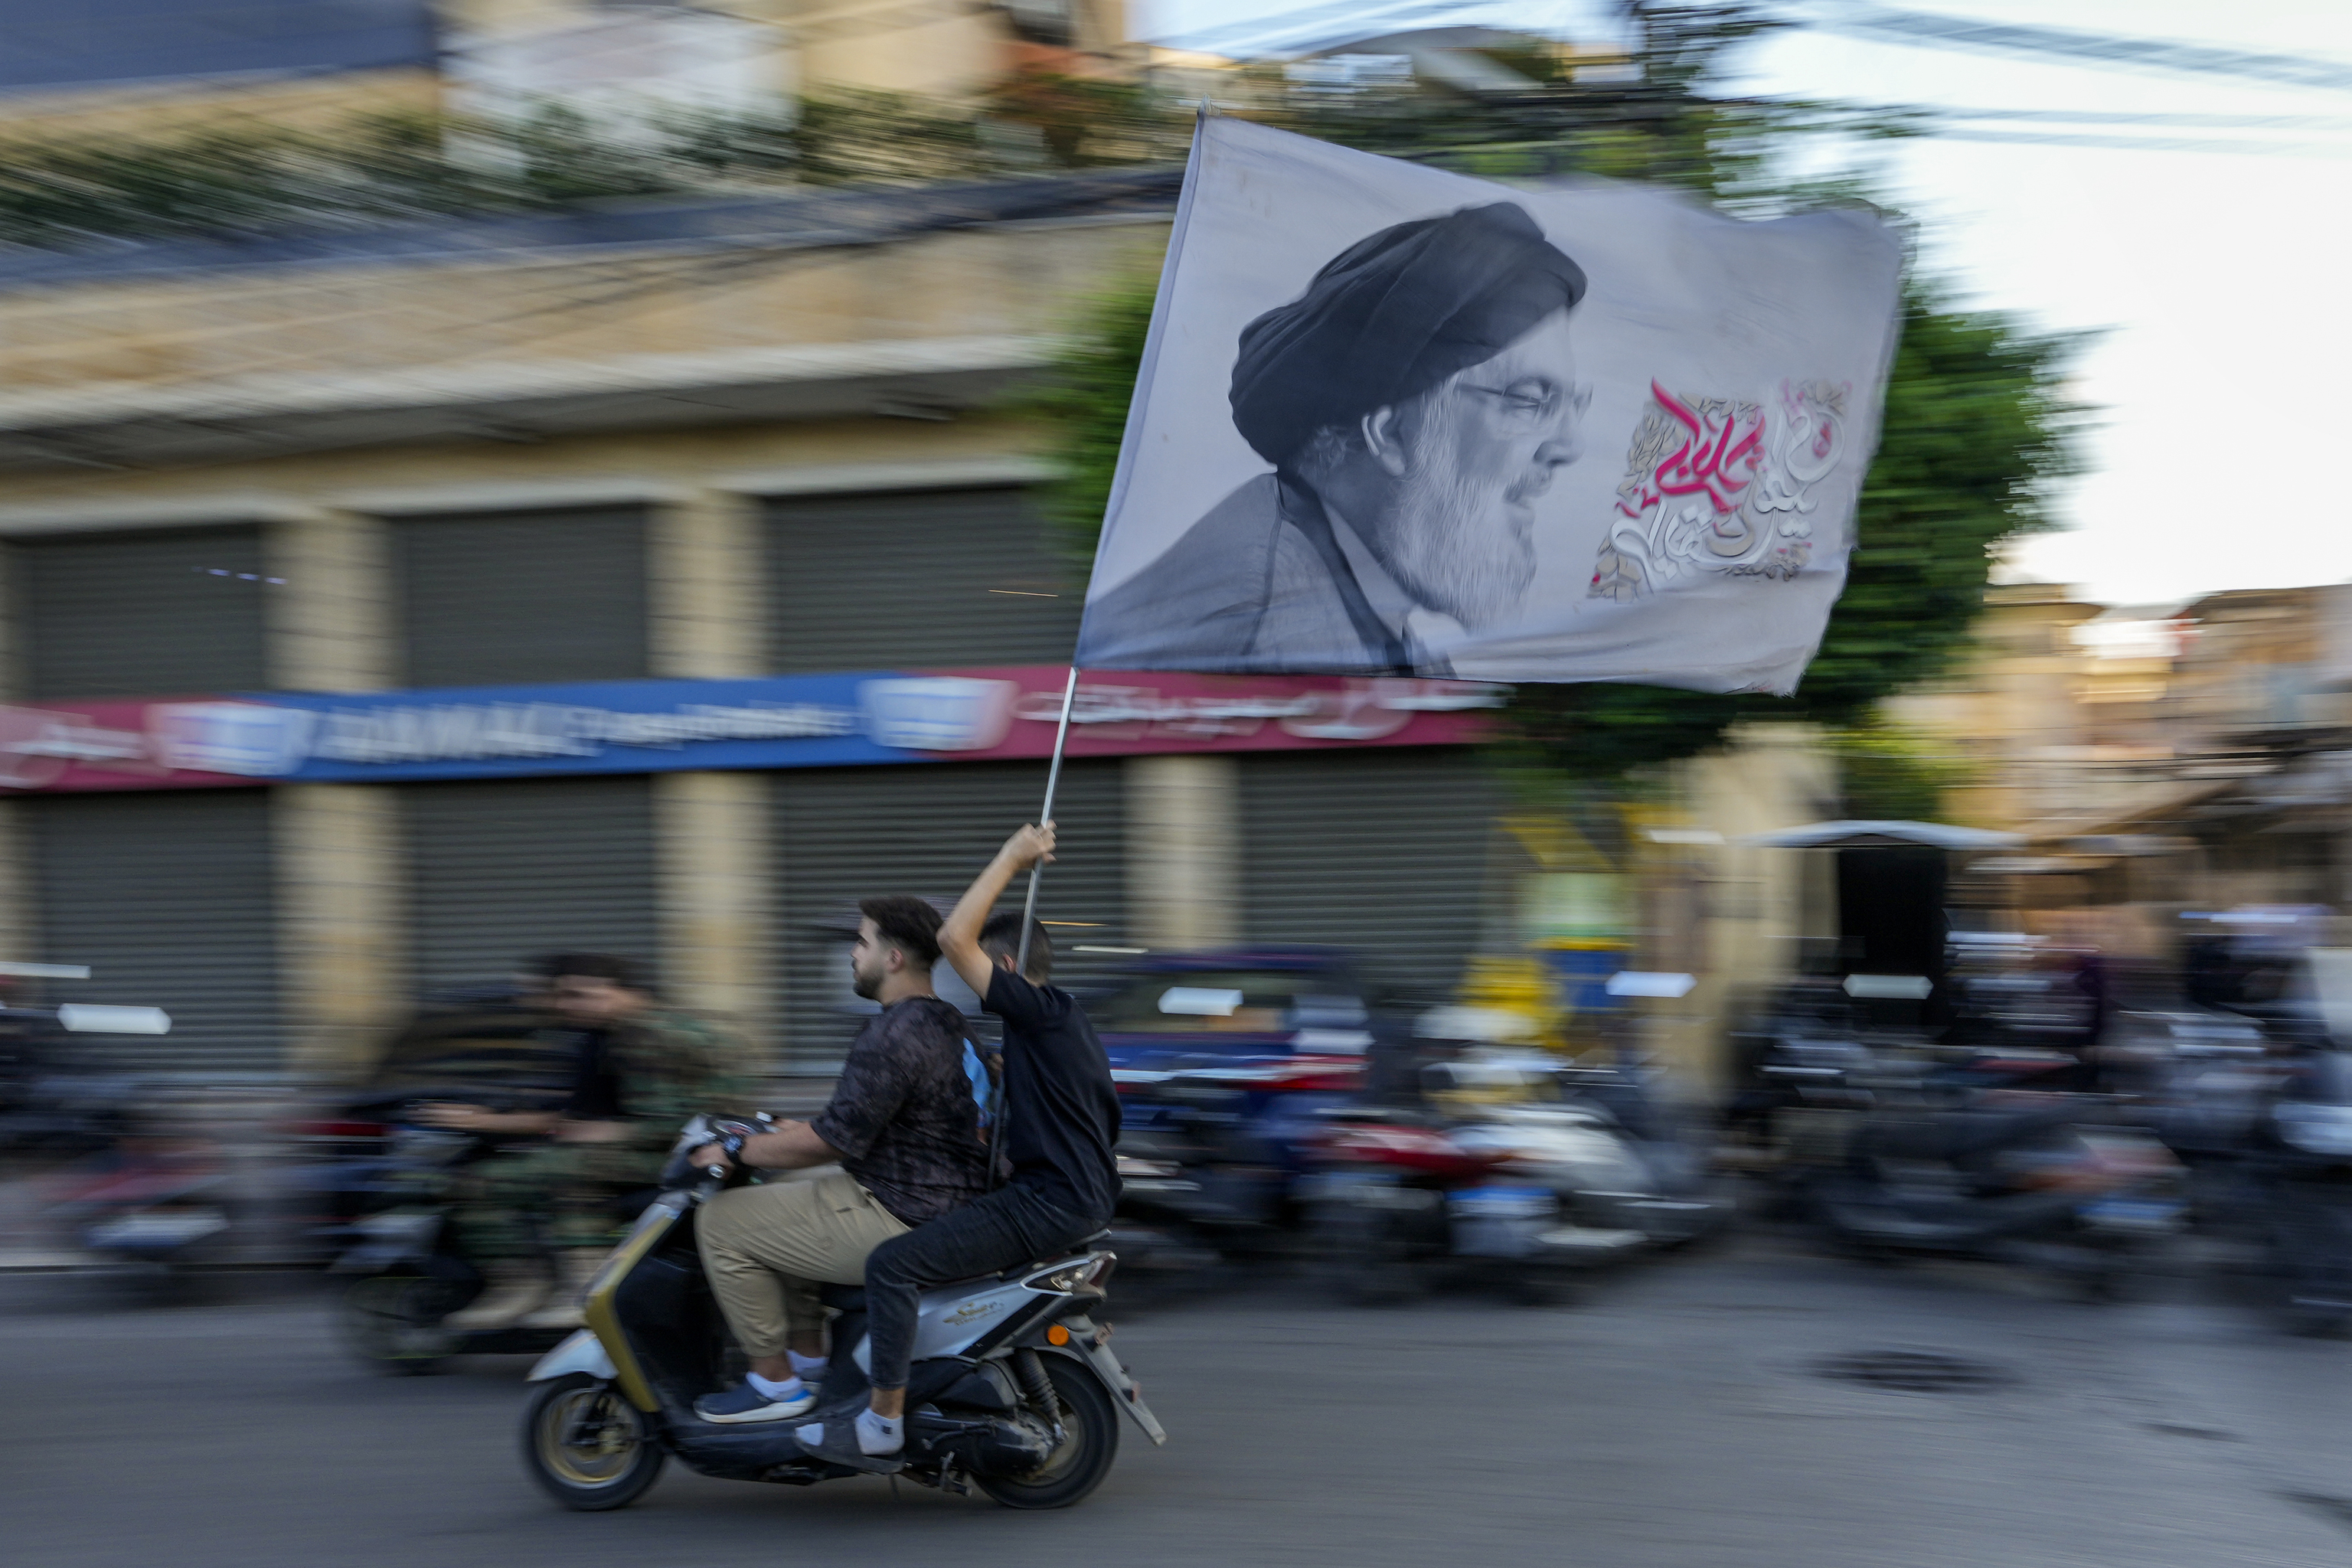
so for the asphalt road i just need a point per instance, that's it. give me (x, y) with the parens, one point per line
(1676, 1417)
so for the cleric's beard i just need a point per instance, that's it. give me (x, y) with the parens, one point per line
(1452, 545)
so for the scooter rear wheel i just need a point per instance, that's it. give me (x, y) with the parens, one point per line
(587, 1446)
(1089, 1443)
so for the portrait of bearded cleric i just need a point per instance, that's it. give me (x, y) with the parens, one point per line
(1414, 402)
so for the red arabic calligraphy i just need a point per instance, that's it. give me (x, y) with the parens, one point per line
(1720, 456)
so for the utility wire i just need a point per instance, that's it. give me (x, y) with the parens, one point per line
(1890, 25)
(2144, 144)
(2125, 117)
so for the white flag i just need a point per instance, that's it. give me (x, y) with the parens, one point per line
(1395, 419)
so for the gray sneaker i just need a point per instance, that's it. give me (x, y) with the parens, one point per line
(747, 1403)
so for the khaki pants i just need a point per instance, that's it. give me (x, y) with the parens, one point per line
(767, 1248)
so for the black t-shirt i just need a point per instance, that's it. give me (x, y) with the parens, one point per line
(1061, 1110)
(596, 1086)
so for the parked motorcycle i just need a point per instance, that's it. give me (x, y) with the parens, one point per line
(1598, 1136)
(1014, 1388)
(151, 1210)
(2294, 1192)
(2039, 1185)
(1402, 1199)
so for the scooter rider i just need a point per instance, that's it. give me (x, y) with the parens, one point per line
(905, 1127)
(1059, 1122)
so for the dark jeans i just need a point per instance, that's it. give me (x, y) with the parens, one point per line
(1009, 1227)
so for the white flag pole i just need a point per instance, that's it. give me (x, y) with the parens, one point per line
(1045, 815)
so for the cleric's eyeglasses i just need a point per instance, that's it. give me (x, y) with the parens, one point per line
(1532, 404)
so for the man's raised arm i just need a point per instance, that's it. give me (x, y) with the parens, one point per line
(959, 937)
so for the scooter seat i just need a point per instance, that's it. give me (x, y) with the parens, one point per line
(842, 1298)
(1073, 1254)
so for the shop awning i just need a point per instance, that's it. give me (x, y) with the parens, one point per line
(1881, 834)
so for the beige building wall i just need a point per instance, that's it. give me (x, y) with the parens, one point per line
(331, 619)
(1752, 902)
(716, 885)
(716, 888)
(162, 109)
(343, 966)
(342, 950)
(708, 622)
(1184, 852)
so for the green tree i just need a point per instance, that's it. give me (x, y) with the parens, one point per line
(1887, 772)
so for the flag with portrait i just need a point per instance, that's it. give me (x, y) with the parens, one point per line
(1396, 420)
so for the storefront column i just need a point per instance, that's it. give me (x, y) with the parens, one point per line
(342, 958)
(716, 891)
(330, 616)
(20, 920)
(20, 916)
(1184, 852)
(708, 618)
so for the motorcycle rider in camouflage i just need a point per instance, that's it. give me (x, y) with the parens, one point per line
(644, 1069)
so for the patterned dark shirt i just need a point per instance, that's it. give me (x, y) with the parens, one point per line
(902, 1112)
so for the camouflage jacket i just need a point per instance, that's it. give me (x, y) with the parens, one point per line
(672, 1066)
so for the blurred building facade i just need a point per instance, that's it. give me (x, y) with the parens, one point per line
(2199, 754)
(117, 66)
(372, 596)
(407, 491)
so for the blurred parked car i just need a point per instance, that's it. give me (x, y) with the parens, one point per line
(1226, 1063)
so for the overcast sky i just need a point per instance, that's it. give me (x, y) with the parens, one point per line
(2217, 279)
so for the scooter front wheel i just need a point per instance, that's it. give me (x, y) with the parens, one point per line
(587, 1446)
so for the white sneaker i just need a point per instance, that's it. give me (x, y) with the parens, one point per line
(515, 1288)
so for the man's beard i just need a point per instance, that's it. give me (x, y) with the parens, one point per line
(1450, 546)
(869, 986)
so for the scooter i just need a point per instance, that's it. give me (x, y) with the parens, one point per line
(1014, 1388)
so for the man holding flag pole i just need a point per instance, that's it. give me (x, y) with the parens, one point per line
(1053, 1132)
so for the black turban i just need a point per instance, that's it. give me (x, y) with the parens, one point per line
(1393, 315)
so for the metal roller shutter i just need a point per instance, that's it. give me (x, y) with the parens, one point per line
(846, 834)
(514, 598)
(168, 898)
(143, 615)
(1380, 852)
(915, 581)
(503, 869)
